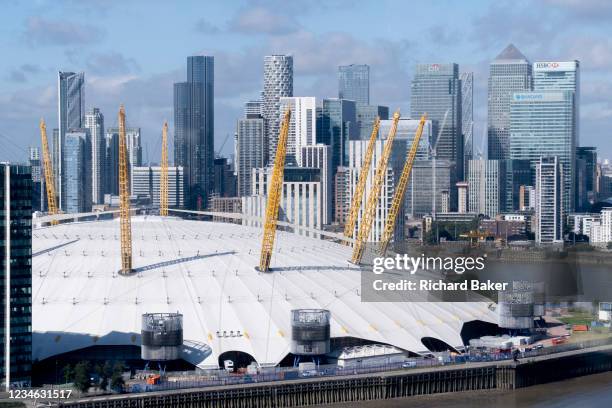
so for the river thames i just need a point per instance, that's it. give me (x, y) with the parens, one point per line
(590, 391)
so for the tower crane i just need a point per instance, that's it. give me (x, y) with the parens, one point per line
(163, 176)
(365, 225)
(349, 228)
(398, 197)
(124, 200)
(434, 155)
(49, 182)
(275, 189)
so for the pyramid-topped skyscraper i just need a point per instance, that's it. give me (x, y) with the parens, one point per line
(509, 72)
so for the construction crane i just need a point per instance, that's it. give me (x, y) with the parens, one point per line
(275, 189)
(163, 176)
(398, 196)
(349, 228)
(49, 181)
(434, 155)
(124, 200)
(379, 177)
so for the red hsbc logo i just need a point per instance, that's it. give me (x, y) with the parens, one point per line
(547, 65)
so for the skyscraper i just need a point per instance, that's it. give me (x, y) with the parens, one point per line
(354, 83)
(71, 114)
(16, 273)
(77, 171)
(147, 183)
(467, 116)
(303, 124)
(510, 72)
(589, 156)
(278, 82)
(111, 165)
(486, 187)
(194, 129)
(542, 124)
(366, 114)
(337, 124)
(560, 76)
(436, 90)
(37, 179)
(250, 147)
(319, 156)
(94, 122)
(549, 201)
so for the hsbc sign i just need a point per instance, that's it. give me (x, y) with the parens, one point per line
(555, 66)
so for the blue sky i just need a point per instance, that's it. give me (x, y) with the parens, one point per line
(132, 52)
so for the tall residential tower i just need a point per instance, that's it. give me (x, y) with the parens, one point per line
(278, 82)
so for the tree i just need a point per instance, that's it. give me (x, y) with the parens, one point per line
(68, 373)
(104, 383)
(81, 376)
(117, 376)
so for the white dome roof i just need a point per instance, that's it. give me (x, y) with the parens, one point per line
(205, 271)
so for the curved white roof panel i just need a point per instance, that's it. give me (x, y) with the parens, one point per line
(205, 271)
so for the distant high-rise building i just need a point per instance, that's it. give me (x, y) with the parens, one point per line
(278, 82)
(589, 156)
(518, 173)
(251, 149)
(467, 116)
(336, 126)
(436, 90)
(55, 149)
(510, 72)
(111, 160)
(71, 114)
(319, 156)
(77, 174)
(526, 198)
(303, 124)
(462, 196)
(194, 129)
(542, 124)
(366, 114)
(560, 76)
(354, 83)
(342, 197)
(16, 274)
(486, 186)
(301, 198)
(37, 179)
(406, 130)
(252, 110)
(147, 183)
(94, 122)
(419, 198)
(397, 158)
(549, 201)
(224, 180)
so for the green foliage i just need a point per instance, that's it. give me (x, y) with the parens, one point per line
(68, 373)
(81, 376)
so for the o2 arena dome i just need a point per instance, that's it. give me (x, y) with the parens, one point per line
(206, 272)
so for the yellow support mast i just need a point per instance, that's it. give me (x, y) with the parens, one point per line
(275, 188)
(163, 177)
(349, 228)
(398, 197)
(124, 199)
(49, 178)
(365, 225)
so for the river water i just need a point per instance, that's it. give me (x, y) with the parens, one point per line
(590, 391)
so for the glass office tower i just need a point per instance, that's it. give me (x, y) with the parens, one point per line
(542, 124)
(354, 83)
(15, 274)
(510, 72)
